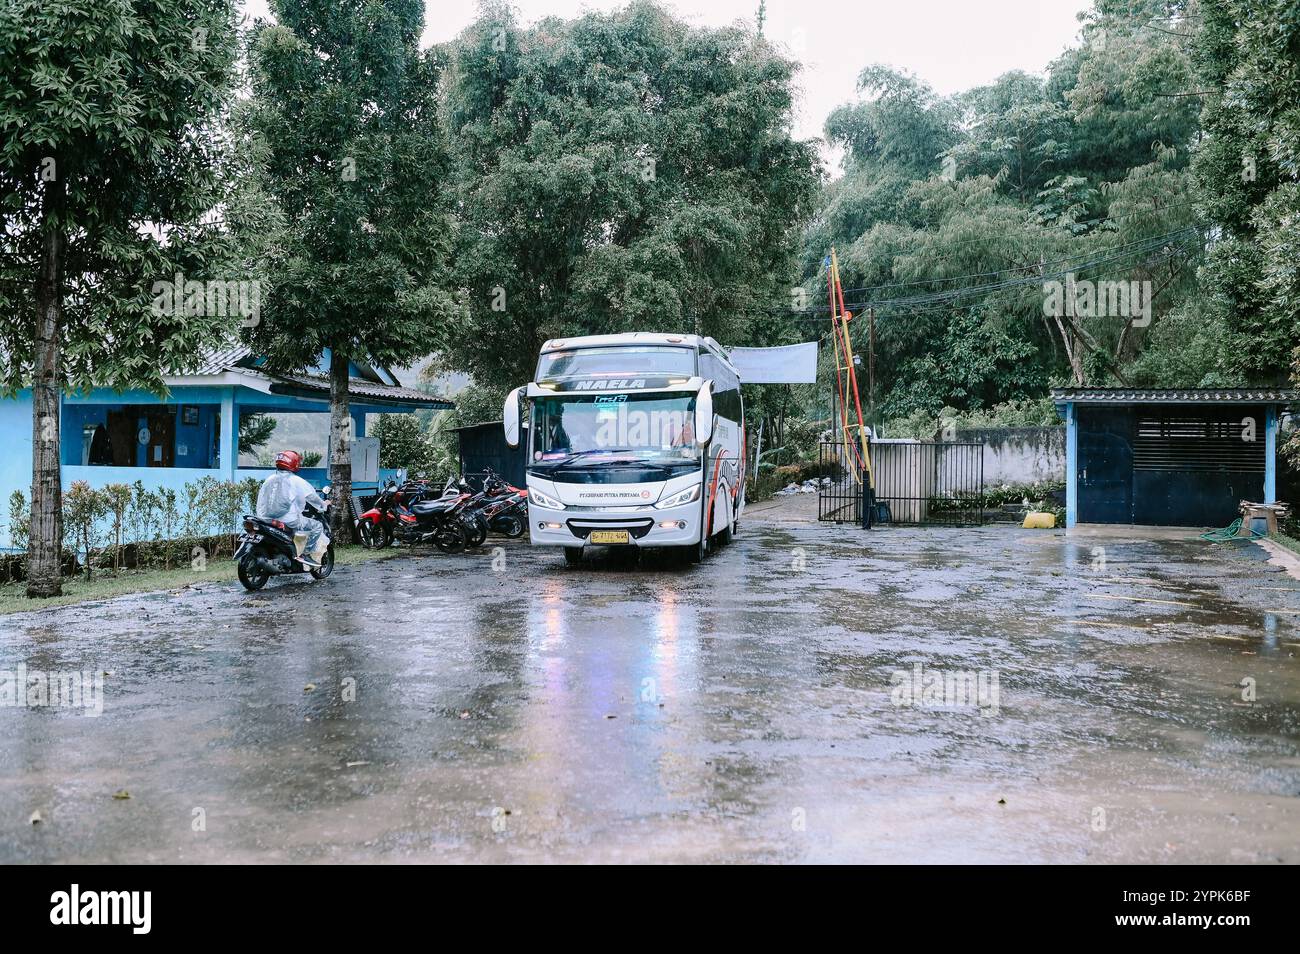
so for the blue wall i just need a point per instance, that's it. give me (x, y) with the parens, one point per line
(219, 410)
(16, 459)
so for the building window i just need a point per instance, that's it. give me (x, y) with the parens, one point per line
(142, 435)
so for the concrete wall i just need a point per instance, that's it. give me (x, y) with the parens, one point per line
(1019, 455)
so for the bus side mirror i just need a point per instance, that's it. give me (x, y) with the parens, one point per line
(510, 417)
(704, 414)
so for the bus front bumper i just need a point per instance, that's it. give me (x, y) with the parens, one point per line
(573, 527)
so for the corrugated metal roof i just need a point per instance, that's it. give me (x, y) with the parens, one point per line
(1175, 395)
(377, 393)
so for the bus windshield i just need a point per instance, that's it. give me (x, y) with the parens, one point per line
(621, 361)
(601, 430)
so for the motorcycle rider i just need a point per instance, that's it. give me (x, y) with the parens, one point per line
(284, 495)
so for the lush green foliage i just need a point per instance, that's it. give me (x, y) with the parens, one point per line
(1248, 176)
(111, 106)
(346, 145)
(405, 442)
(953, 212)
(615, 172)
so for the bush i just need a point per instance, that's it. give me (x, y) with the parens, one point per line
(84, 510)
(404, 443)
(1044, 496)
(922, 425)
(20, 520)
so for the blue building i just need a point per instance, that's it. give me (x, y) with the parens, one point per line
(110, 436)
(1170, 457)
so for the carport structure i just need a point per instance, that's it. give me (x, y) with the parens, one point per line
(1169, 457)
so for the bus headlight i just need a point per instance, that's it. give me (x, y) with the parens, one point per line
(543, 500)
(690, 494)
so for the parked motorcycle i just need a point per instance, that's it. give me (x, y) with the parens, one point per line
(422, 518)
(267, 548)
(395, 514)
(376, 527)
(504, 507)
(466, 507)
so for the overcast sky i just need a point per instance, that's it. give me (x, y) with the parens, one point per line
(951, 44)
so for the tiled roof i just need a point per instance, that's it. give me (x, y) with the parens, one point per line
(219, 360)
(214, 360)
(370, 391)
(1175, 395)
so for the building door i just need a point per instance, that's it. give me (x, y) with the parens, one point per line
(1192, 466)
(122, 437)
(161, 450)
(1105, 464)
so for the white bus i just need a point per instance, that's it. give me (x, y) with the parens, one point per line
(633, 440)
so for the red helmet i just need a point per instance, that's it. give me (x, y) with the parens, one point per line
(288, 460)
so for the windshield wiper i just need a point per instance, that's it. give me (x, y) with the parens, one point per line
(571, 461)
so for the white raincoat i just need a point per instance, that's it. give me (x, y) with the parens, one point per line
(283, 497)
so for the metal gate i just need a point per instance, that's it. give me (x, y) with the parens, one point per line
(839, 494)
(916, 483)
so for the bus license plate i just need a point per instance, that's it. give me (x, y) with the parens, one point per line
(610, 536)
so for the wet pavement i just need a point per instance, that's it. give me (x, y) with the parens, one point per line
(811, 693)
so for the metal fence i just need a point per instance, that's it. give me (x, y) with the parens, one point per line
(916, 483)
(839, 496)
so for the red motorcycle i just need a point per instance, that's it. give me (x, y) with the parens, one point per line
(412, 512)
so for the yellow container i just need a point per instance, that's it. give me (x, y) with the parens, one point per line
(1039, 520)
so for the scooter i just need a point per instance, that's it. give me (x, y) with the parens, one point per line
(267, 548)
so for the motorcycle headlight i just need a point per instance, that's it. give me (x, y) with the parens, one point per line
(689, 495)
(544, 501)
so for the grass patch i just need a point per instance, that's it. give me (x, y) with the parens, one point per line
(105, 586)
(1291, 543)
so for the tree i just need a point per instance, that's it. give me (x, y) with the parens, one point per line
(952, 213)
(1248, 178)
(404, 443)
(621, 171)
(254, 431)
(344, 130)
(86, 509)
(109, 162)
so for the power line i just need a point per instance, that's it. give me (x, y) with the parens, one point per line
(1035, 265)
(949, 246)
(1122, 253)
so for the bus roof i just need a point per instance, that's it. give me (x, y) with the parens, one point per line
(698, 342)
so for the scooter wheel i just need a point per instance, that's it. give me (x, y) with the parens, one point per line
(374, 536)
(510, 526)
(326, 564)
(250, 574)
(451, 539)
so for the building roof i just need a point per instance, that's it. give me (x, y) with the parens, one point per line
(309, 385)
(215, 360)
(1175, 395)
(370, 389)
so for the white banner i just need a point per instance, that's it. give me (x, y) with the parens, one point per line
(789, 364)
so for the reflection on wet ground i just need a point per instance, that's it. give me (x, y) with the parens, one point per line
(1145, 708)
